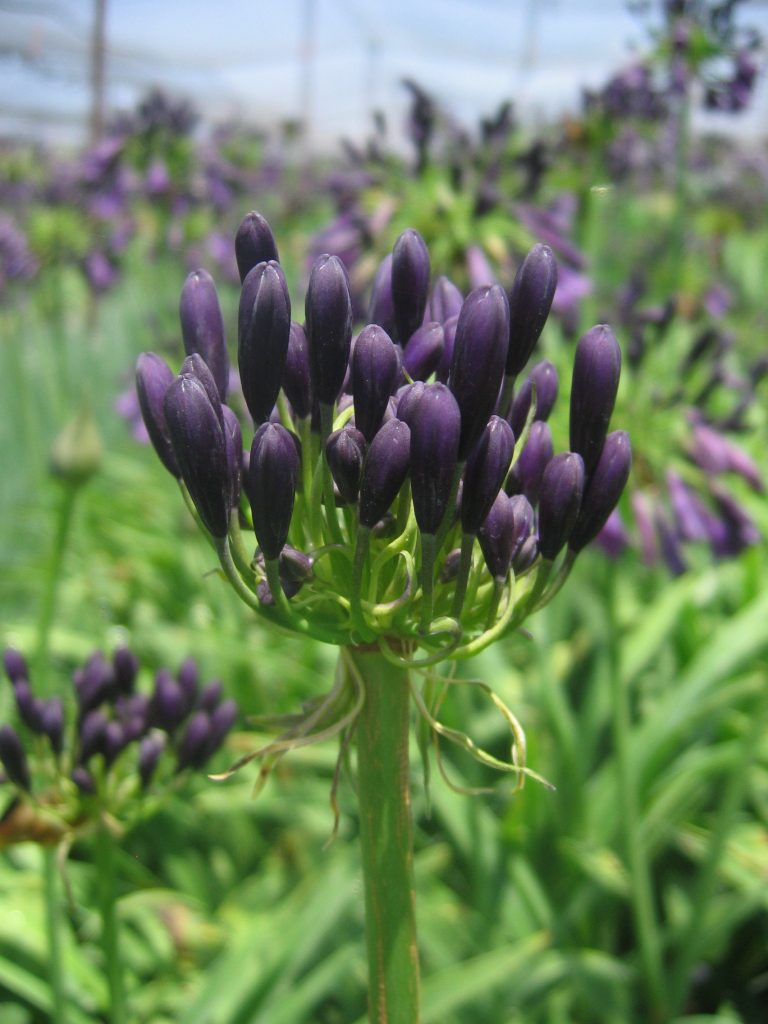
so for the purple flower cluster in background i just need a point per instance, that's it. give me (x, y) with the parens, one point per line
(109, 729)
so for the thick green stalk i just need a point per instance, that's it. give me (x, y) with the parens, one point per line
(53, 928)
(386, 838)
(110, 936)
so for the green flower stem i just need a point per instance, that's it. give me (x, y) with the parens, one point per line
(428, 554)
(63, 528)
(53, 928)
(465, 565)
(110, 936)
(386, 837)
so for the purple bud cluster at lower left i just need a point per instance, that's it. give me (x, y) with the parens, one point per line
(108, 727)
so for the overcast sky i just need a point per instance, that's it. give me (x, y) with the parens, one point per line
(335, 59)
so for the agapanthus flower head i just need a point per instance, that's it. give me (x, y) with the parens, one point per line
(391, 513)
(106, 740)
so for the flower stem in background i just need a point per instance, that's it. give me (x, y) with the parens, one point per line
(641, 889)
(104, 859)
(724, 820)
(64, 515)
(53, 929)
(386, 838)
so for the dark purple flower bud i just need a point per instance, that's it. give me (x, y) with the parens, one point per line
(187, 677)
(528, 471)
(562, 488)
(254, 243)
(115, 741)
(496, 536)
(715, 453)
(13, 757)
(408, 398)
(94, 682)
(435, 432)
(150, 751)
(202, 326)
(296, 374)
(603, 489)
(423, 351)
(485, 472)
(233, 442)
(83, 779)
(596, 371)
(263, 344)
(200, 448)
(478, 361)
(193, 746)
(690, 514)
(92, 732)
(382, 310)
(221, 721)
(248, 294)
(210, 695)
(345, 452)
(375, 373)
(195, 366)
(450, 569)
(385, 470)
(271, 486)
(295, 566)
(410, 283)
(15, 664)
(328, 316)
(167, 705)
(449, 343)
(52, 723)
(445, 301)
(526, 555)
(125, 668)
(542, 378)
(530, 299)
(523, 518)
(153, 378)
(29, 707)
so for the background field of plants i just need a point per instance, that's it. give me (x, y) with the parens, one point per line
(636, 890)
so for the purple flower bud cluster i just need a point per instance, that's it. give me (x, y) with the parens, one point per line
(109, 728)
(367, 445)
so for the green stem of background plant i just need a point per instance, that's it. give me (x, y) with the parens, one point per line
(386, 838)
(110, 934)
(706, 879)
(64, 515)
(641, 889)
(53, 928)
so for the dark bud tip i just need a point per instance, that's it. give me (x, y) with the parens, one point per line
(496, 536)
(199, 445)
(125, 668)
(410, 283)
(15, 664)
(153, 378)
(544, 382)
(328, 315)
(150, 751)
(296, 374)
(445, 301)
(603, 489)
(193, 747)
(345, 452)
(530, 300)
(263, 341)
(485, 472)
(254, 243)
(562, 487)
(424, 351)
(273, 470)
(477, 365)
(375, 374)
(13, 757)
(385, 470)
(435, 432)
(527, 472)
(596, 371)
(202, 326)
